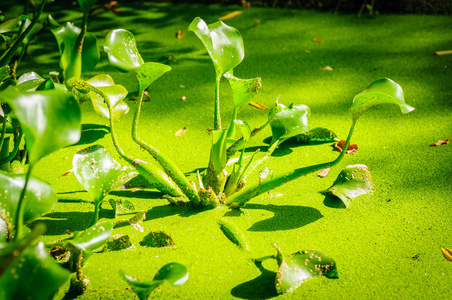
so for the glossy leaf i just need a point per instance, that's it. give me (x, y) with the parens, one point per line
(34, 275)
(149, 72)
(12, 25)
(174, 273)
(40, 198)
(50, 119)
(288, 121)
(122, 207)
(98, 172)
(93, 237)
(218, 150)
(243, 90)
(121, 47)
(296, 268)
(29, 82)
(381, 91)
(223, 43)
(353, 181)
(66, 37)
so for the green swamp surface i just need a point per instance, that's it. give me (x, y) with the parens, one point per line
(386, 244)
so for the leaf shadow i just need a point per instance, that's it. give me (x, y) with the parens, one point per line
(285, 217)
(333, 202)
(92, 133)
(261, 287)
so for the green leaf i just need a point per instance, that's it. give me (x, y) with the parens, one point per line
(122, 207)
(121, 47)
(85, 5)
(296, 268)
(288, 121)
(98, 172)
(353, 181)
(4, 72)
(149, 72)
(50, 119)
(34, 275)
(29, 82)
(66, 37)
(40, 198)
(243, 90)
(233, 233)
(174, 273)
(244, 128)
(93, 237)
(115, 94)
(12, 25)
(218, 156)
(381, 91)
(223, 43)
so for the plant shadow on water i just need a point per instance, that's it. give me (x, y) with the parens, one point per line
(261, 287)
(285, 217)
(92, 133)
(333, 202)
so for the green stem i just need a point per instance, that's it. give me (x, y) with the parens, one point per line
(8, 55)
(269, 152)
(20, 207)
(15, 150)
(75, 68)
(170, 168)
(216, 114)
(240, 199)
(231, 129)
(2, 137)
(96, 213)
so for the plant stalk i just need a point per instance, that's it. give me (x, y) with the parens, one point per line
(96, 213)
(2, 137)
(240, 199)
(20, 207)
(216, 114)
(15, 150)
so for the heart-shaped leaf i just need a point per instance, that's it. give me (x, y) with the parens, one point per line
(50, 119)
(174, 273)
(381, 91)
(353, 181)
(93, 237)
(98, 172)
(115, 94)
(121, 47)
(149, 72)
(29, 82)
(296, 268)
(223, 43)
(243, 90)
(34, 275)
(289, 121)
(66, 37)
(39, 199)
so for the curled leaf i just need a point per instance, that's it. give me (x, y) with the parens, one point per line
(180, 131)
(447, 253)
(121, 47)
(440, 142)
(353, 181)
(351, 149)
(243, 90)
(289, 121)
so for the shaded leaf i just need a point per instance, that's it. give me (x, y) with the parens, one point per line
(351, 149)
(50, 119)
(98, 172)
(380, 91)
(440, 142)
(93, 237)
(230, 15)
(243, 90)
(12, 25)
(296, 268)
(223, 43)
(121, 47)
(447, 253)
(180, 131)
(289, 121)
(4, 72)
(353, 181)
(34, 275)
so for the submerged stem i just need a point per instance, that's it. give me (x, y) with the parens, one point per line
(20, 207)
(240, 199)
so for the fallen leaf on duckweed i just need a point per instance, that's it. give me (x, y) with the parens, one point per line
(447, 253)
(307, 51)
(180, 131)
(327, 68)
(230, 15)
(318, 41)
(324, 172)
(440, 142)
(66, 173)
(258, 105)
(233, 233)
(256, 21)
(351, 149)
(137, 220)
(183, 98)
(179, 34)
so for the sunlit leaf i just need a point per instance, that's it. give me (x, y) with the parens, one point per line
(230, 15)
(122, 207)
(29, 82)
(243, 90)
(50, 119)
(353, 181)
(296, 268)
(66, 37)
(223, 43)
(122, 50)
(233, 233)
(39, 199)
(218, 151)
(98, 172)
(93, 237)
(381, 91)
(149, 72)
(34, 275)
(289, 121)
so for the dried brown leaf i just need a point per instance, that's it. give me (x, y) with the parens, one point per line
(444, 52)
(179, 34)
(307, 51)
(258, 105)
(230, 15)
(246, 4)
(180, 131)
(327, 68)
(351, 149)
(66, 173)
(183, 98)
(447, 253)
(318, 41)
(324, 172)
(440, 142)
(256, 21)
